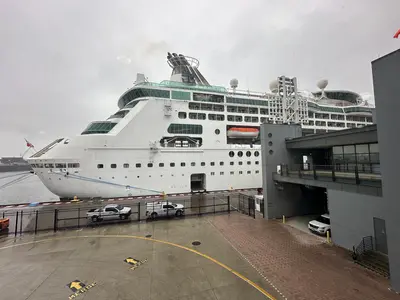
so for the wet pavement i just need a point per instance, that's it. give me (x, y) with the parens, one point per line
(300, 265)
(155, 260)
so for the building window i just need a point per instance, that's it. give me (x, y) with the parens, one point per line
(232, 163)
(257, 171)
(240, 163)
(100, 166)
(212, 163)
(203, 164)
(99, 128)
(212, 173)
(248, 172)
(113, 166)
(257, 162)
(231, 154)
(179, 95)
(221, 173)
(182, 115)
(248, 153)
(232, 172)
(183, 164)
(240, 172)
(172, 164)
(161, 165)
(149, 165)
(138, 165)
(221, 163)
(249, 162)
(240, 153)
(192, 164)
(126, 166)
(185, 129)
(256, 153)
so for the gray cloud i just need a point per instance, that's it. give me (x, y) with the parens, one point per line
(59, 68)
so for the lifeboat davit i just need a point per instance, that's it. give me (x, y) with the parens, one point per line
(243, 132)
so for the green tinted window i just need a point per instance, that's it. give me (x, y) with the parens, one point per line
(247, 101)
(142, 92)
(99, 128)
(185, 129)
(179, 95)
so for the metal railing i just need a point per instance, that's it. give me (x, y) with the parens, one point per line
(360, 174)
(75, 216)
(366, 244)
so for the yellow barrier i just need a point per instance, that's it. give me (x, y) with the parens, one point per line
(328, 237)
(283, 219)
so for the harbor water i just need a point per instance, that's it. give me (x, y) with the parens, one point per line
(29, 189)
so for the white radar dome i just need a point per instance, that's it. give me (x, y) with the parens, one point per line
(234, 83)
(322, 84)
(273, 86)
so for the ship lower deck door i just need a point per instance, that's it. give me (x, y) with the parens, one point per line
(198, 182)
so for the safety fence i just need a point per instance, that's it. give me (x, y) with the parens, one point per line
(250, 205)
(81, 214)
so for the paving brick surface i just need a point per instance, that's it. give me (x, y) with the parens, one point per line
(298, 264)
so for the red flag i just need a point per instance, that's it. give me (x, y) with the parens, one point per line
(28, 144)
(396, 36)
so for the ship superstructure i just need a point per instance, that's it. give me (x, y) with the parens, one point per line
(185, 135)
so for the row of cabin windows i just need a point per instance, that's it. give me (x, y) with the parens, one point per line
(233, 172)
(183, 164)
(218, 117)
(56, 165)
(206, 106)
(339, 117)
(201, 116)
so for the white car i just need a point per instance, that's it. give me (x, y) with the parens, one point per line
(109, 212)
(321, 225)
(164, 209)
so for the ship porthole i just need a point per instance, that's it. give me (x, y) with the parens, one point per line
(217, 131)
(271, 152)
(270, 135)
(231, 153)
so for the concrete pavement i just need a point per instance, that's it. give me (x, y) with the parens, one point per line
(146, 261)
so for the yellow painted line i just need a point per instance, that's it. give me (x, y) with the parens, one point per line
(257, 287)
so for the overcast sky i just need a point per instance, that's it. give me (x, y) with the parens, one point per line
(65, 63)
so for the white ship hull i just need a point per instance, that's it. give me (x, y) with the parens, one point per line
(174, 137)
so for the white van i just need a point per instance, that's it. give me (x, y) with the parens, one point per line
(163, 209)
(320, 225)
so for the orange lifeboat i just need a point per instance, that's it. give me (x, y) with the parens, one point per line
(243, 132)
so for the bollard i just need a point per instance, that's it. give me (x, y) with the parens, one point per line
(229, 204)
(283, 219)
(328, 237)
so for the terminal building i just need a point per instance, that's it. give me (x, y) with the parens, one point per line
(350, 175)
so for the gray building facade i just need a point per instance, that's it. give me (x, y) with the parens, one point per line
(386, 77)
(349, 174)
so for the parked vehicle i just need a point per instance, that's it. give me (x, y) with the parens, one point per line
(321, 225)
(109, 212)
(163, 209)
(4, 224)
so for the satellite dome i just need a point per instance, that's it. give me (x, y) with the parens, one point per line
(273, 86)
(322, 84)
(234, 83)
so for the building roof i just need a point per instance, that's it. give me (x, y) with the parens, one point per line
(362, 135)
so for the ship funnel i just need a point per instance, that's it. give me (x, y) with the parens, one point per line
(185, 69)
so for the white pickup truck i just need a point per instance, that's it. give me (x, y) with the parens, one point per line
(109, 212)
(164, 209)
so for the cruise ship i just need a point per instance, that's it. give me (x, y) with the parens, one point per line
(185, 135)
